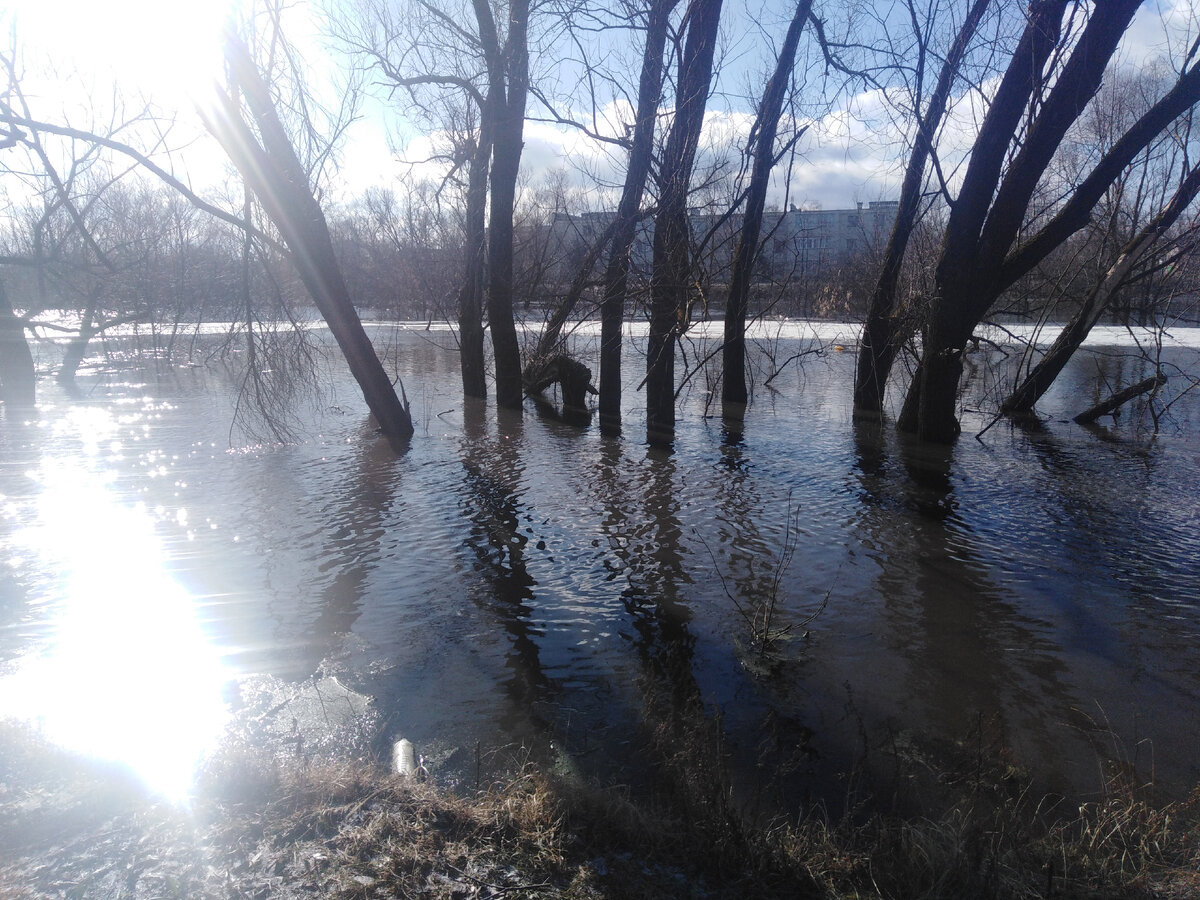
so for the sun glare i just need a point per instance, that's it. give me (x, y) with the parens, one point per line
(128, 674)
(168, 52)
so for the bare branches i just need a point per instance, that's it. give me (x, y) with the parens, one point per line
(1074, 214)
(762, 149)
(8, 118)
(258, 144)
(558, 118)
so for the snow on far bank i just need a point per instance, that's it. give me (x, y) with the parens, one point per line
(844, 334)
(847, 334)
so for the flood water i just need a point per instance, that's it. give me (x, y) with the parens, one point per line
(519, 582)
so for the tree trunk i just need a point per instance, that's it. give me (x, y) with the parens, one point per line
(931, 404)
(766, 126)
(668, 297)
(508, 76)
(616, 276)
(1100, 298)
(470, 295)
(669, 283)
(979, 257)
(77, 347)
(277, 177)
(18, 377)
(881, 337)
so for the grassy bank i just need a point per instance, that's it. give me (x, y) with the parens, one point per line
(260, 827)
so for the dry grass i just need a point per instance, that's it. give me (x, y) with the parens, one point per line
(262, 828)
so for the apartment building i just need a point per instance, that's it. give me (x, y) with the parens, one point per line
(796, 243)
(807, 241)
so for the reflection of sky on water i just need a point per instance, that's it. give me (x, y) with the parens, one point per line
(126, 673)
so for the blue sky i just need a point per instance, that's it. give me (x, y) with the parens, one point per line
(852, 152)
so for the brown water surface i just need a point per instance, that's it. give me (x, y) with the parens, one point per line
(515, 580)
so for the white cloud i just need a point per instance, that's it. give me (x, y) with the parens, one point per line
(1160, 32)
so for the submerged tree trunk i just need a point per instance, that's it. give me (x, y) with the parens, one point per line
(572, 377)
(881, 337)
(269, 164)
(1027, 121)
(766, 126)
(616, 275)
(1100, 298)
(932, 398)
(77, 346)
(471, 293)
(669, 284)
(1120, 398)
(18, 377)
(508, 86)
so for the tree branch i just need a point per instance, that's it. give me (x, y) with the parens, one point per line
(9, 118)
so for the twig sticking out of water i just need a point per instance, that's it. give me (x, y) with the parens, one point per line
(765, 634)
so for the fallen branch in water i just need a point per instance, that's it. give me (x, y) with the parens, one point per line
(1121, 397)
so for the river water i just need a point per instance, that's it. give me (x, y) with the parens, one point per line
(522, 585)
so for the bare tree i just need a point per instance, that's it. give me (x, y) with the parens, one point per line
(616, 240)
(438, 63)
(616, 273)
(1102, 295)
(508, 89)
(249, 128)
(882, 333)
(670, 282)
(762, 149)
(72, 186)
(473, 81)
(471, 294)
(1052, 75)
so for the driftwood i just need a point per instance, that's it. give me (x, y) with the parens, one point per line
(572, 376)
(1117, 399)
